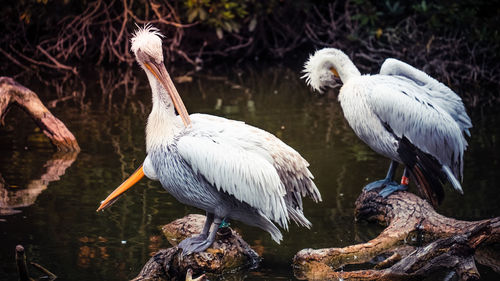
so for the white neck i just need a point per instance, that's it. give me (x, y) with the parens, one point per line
(163, 123)
(344, 66)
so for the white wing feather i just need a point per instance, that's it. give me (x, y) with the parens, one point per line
(415, 118)
(290, 165)
(436, 91)
(239, 172)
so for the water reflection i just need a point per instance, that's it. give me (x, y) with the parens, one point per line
(90, 249)
(64, 233)
(14, 197)
(489, 256)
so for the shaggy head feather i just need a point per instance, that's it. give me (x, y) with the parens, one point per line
(147, 40)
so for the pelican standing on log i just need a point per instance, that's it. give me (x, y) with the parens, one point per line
(225, 167)
(403, 114)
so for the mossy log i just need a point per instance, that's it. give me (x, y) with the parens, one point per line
(416, 243)
(229, 253)
(12, 92)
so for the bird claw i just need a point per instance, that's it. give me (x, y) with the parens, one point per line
(391, 188)
(378, 184)
(194, 244)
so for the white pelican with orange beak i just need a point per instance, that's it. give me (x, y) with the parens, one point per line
(225, 167)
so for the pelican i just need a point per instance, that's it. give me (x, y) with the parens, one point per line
(403, 114)
(225, 167)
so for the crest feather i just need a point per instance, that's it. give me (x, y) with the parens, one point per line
(148, 39)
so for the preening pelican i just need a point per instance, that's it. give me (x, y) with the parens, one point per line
(403, 114)
(225, 167)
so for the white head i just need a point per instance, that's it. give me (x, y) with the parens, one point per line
(148, 51)
(146, 44)
(322, 67)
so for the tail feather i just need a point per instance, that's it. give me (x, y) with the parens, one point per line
(434, 195)
(424, 169)
(268, 226)
(261, 221)
(298, 217)
(295, 210)
(452, 179)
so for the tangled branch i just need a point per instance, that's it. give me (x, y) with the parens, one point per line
(99, 35)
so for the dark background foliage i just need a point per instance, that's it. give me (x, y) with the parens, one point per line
(455, 41)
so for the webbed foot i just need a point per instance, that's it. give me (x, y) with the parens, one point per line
(195, 244)
(390, 188)
(379, 184)
(200, 242)
(195, 238)
(385, 182)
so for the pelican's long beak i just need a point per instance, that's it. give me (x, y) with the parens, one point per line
(133, 179)
(160, 72)
(334, 71)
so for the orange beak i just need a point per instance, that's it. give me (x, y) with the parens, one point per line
(133, 179)
(160, 72)
(334, 71)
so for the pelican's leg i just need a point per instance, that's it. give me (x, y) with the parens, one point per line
(388, 178)
(395, 187)
(195, 246)
(208, 224)
(204, 233)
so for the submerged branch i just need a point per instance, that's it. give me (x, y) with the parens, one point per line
(437, 243)
(12, 92)
(22, 267)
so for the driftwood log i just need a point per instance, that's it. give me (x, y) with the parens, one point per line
(229, 254)
(22, 267)
(417, 242)
(12, 92)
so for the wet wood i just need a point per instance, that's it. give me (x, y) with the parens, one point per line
(22, 268)
(48, 275)
(229, 253)
(489, 256)
(416, 243)
(13, 93)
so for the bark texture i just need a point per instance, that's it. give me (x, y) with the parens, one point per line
(13, 93)
(416, 243)
(229, 253)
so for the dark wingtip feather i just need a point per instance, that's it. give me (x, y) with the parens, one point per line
(424, 169)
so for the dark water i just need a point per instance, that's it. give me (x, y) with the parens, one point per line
(48, 201)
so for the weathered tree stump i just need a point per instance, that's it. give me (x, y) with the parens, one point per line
(12, 92)
(22, 267)
(229, 253)
(416, 243)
